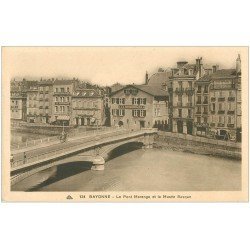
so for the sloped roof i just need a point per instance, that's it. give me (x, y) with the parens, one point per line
(158, 79)
(87, 93)
(152, 90)
(224, 73)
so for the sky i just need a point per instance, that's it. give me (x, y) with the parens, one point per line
(107, 65)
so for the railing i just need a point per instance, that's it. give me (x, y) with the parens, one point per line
(230, 112)
(231, 99)
(230, 125)
(90, 141)
(220, 112)
(49, 140)
(221, 99)
(201, 139)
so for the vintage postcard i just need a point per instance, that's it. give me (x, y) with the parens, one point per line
(125, 124)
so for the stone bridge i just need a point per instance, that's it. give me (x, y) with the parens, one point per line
(95, 149)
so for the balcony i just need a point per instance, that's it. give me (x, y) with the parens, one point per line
(205, 102)
(212, 112)
(213, 99)
(198, 92)
(198, 113)
(198, 102)
(212, 124)
(220, 112)
(40, 107)
(205, 113)
(221, 99)
(61, 103)
(221, 125)
(46, 107)
(205, 92)
(62, 93)
(230, 112)
(231, 99)
(189, 91)
(230, 125)
(179, 91)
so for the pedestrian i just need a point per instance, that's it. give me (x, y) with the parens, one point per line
(11, 160)
(24, 158)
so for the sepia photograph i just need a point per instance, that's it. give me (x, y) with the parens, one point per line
(125, 123)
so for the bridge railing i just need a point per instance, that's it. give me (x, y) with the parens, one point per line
(48, 140)
(91, 141)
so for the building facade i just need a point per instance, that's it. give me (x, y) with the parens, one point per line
(87, 108)
(181, 87)
(62, 101)
(18, 104)
(139, 106)
(33, 104)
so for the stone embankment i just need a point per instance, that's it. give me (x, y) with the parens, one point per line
(198, 145)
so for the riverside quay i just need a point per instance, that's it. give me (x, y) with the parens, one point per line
(188, 98)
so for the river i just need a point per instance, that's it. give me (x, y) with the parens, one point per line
(142, 170)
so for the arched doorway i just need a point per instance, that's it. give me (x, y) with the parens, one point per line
(180, 127)
(120, 123)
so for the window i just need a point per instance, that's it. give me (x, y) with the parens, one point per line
(198, 120)
(221, 119)
(199, 99)
(229, 120)
(206, 89)
(230, 106)
(180, 84)
(220, 106)
(67, 89)
(199, 89)
(190, 84)
(62, 90)
(56, 108)
(121, 112)
(56, 98)
(180, 112)
(213, 107)
(113, 100)
(68, 108)
(205, 119)
(189, 112)
(144, 101)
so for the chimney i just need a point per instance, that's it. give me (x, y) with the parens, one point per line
(146, 78)
(238, 64)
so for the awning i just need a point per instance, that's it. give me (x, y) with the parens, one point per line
(63, 117)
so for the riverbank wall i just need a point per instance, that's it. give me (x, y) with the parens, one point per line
(197, 145)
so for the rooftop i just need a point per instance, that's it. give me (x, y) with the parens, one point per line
(86, 93)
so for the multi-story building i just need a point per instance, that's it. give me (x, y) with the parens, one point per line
(181, 88)
(225, 101)
(45, 97)
(87, 107)
(18, 103)
(139, 106)
(218, 102)
(33, 104)
(201, 116)
(62, 104)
